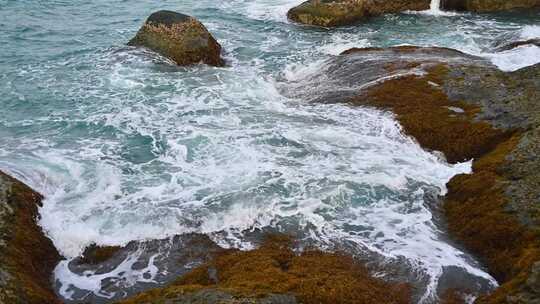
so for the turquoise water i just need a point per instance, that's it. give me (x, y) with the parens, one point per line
(126, 146)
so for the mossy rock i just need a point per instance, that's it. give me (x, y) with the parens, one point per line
(275, 274)
(27, 256)
(343, 12)
(488, 5)
(179, 37)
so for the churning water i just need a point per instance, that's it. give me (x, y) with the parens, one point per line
(126, 146)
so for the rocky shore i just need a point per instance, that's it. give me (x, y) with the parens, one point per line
(467, 109)
(27, 256)
(450, 102)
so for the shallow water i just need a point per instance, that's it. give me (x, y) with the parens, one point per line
(126, 146)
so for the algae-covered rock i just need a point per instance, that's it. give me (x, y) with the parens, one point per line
(275, 274)
(182, 38)
(205, 296)
(343, 12)
(487, 5)
(27, 256)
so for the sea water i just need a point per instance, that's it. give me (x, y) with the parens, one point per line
(127, 146)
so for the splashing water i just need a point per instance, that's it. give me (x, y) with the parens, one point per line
(435, 6)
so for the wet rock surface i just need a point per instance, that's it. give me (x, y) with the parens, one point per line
(494, 211)
(515, 44)
(138, 262)
(488, 5)
(343, 12)
(275, 274)
(211, 296)
(27, 256)
(179, 37)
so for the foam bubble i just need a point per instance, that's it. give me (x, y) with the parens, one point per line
(342, 42)
(530, 32)
(516, 58)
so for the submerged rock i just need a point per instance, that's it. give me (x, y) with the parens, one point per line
(494, 212)
(27, 256)
(94, 254)
(515, 44)
(343, 12)
(152, 264)
(487, 5)
(179, 37)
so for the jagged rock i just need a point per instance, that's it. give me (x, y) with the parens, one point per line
(179, 37)
(487, 5)
(343, 12)
(27, 256)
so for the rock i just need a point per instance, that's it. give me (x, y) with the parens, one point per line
(487, 5)
(515, 44)
(530, 291)
(27, 256)
(343, 12)
(177, 255)
(494, 212)
(212, 296)
(179, 37)
(275, 274)
(94, 254)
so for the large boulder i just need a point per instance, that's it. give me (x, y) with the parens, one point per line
(27, 256)
(487, 5)
(343, 12)
(179, 37)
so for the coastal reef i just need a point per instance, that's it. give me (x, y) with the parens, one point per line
(467, 109)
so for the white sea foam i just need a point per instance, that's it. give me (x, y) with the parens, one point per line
(521, 56)
(341, 42)
(434, 10)
(91, 281)
(530, 32)
(516, 58)
(264, 9)
(223, 147)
